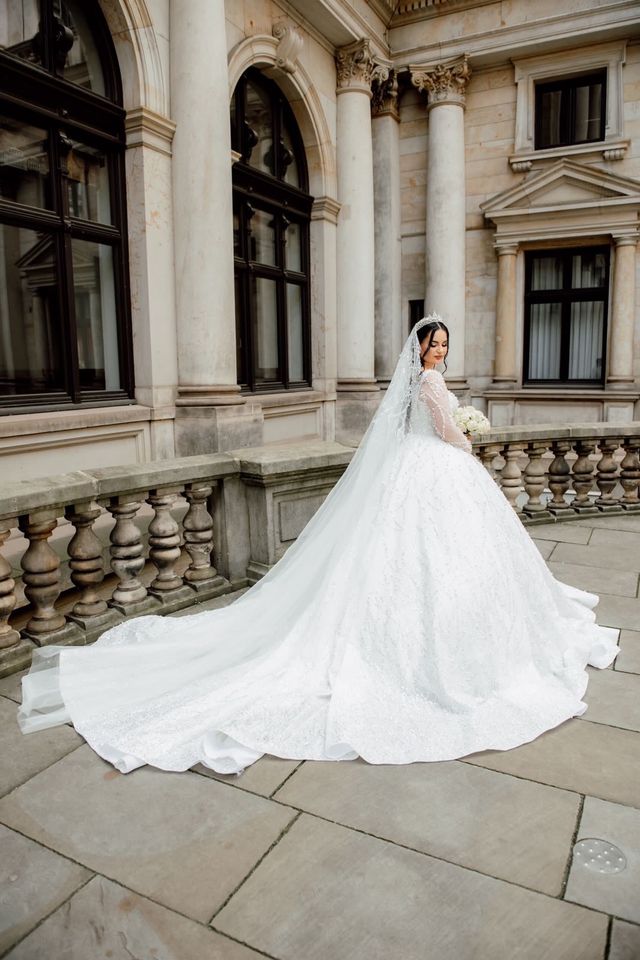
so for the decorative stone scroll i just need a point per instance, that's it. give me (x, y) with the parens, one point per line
(443, 83)
(290, 43)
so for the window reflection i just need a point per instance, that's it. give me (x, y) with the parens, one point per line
(294, 332)
(258, 137)
(82, 64)
(30, 348)
(24, 163)
(266, 329)
(262, 240)
(19, 29)
(95, 316)
(87, 178)
(293, 250)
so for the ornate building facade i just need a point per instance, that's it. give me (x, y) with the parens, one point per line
(220, 219)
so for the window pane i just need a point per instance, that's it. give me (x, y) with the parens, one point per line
(259, 136)
(294, 329)
(585, 347)
(588, 270)
(19, 24)
(588, 105)
(550, 105)
(546, 273)
(95, 315)
(82, 64)
(86, 175)
(265, 333)
(289, 162)
(24, 163)
(262, 239)
(292, 250)
(544, 341)
(30, 340)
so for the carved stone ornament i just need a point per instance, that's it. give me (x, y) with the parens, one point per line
(444, 83)
(355, 66)
(290, 43)
(384, 100)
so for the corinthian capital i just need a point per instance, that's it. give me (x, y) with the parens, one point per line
(384, 101)
(443, 83)
(355, 66)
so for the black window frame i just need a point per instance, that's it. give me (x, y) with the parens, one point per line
(254, 190)
(567, 86)
(38, 94)
(566, 296)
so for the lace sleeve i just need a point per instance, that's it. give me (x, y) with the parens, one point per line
(433, 393)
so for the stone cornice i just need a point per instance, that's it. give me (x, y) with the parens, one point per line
(444, 82)
(325, 208)
(145, 128)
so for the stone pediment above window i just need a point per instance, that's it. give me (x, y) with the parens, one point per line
(566, 200)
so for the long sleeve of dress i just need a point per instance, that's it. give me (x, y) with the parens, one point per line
(433, 393)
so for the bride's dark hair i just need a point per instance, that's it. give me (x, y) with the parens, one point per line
(429, 330)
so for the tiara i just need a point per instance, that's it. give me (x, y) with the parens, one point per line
(430, 318)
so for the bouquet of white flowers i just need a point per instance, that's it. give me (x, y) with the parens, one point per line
(471, 421)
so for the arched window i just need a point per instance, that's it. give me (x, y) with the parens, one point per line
(272, 209)
(64, 303)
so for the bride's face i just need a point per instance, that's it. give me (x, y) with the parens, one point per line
(434, 353)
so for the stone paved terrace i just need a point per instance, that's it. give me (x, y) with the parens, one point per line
(466, 860)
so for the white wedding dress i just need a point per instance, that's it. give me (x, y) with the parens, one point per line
(412, 620)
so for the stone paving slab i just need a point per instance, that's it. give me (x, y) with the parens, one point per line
(262, 777)
(181, 839)
(621, 612)
(613, 698)
(623, 556)
(23, 756)
(546, 547)
(11, 686)
(618, 583)
(24, 898)
(589, 758)
(508, 828)
(625, 941)
(620, 521)
(629, 657)
(328, 893)
(562, 532)
(617, 893)
(105, 920)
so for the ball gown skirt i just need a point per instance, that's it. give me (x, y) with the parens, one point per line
(427, 628)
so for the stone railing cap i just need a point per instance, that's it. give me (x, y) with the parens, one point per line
(45, 493)
(289, 457)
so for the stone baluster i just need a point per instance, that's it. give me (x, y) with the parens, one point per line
(511, 474)
(8, 636)
(198, 535)
(583, 478)
(85, 563)
(607, 475)
(41, 578)
(535, 481)
(488, 452)
(559, 477)
(164, 541)
(630, 474)
(127, 560)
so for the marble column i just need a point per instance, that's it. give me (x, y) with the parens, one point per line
(445, 86)
(504, 374)
(388, 253)
(202, 194)
(623, 308)
(355, 241)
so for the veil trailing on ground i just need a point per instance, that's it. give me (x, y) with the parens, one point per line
(141, 660)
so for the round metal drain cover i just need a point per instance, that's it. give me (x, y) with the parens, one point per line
(599, 856)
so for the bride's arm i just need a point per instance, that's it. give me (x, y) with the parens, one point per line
(433, 392)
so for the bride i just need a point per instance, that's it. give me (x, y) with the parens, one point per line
(412, 620)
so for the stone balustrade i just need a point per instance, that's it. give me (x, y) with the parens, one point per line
(552, 473)
(240, 512)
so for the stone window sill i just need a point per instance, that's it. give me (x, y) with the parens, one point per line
(603, 150)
